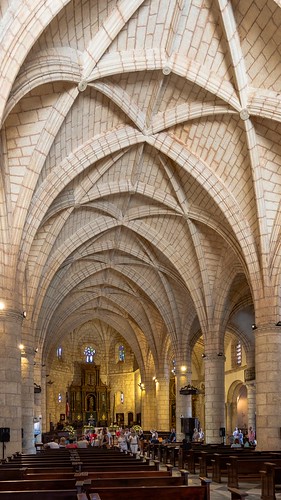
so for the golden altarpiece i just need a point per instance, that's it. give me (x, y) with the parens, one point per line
(89, 397)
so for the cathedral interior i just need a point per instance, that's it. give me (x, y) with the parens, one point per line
(140, 215)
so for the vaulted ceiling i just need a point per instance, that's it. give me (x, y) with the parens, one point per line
(140, 165)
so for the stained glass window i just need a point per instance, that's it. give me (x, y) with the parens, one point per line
(89, 354)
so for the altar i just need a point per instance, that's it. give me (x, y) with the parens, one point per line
(89, 397)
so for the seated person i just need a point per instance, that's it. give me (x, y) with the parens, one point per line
(236, 443)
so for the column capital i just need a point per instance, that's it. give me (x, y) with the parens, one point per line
(214, 356)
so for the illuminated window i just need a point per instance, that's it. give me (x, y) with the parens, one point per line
(239, 353)
(59, 353)
(121, 353)
(59, 398)
(89, 354)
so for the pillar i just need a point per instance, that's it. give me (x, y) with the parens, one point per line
(27, 400)
(268, 398)
(162, 386)
(148, 405)
(183, 402)
(10, 376)
(251, 397)
(214, 396)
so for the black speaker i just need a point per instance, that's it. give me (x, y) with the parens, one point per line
(4, 434)
(222, 432)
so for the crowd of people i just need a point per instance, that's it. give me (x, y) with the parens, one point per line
(129, 440)
(241, 439)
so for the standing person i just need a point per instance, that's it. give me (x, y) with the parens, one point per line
(154, 436)
(251, 435)
(134, 442)
(195, 436)
(141, 441)
(172, 438)
(122, 442)
(240, 436)
(201, 435)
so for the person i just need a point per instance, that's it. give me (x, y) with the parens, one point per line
(236, 443)
(201, 435)
(82, 442)
(196, 435)
(141, 441)
(62, 442)
(251, 435)
(52, 444)
(236, 433)
(246, 443)
(240, 436)
(134, 442)
(172, 437)
(122, 442)
(72, 443)
(154, 436)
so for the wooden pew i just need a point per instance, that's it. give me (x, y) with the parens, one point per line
(200, 492)
(270, 480)
(39, 495)
(245, 469)
(220, 460)
(41, 484)
(93, 485)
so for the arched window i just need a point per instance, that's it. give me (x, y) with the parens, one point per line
(89, 354)
(121, 353)
(59, 353)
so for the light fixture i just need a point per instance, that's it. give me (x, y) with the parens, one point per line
(24, 314)
(278, 323)
(2, 305)
(141, 386)
(155, 380)
(183, 369)
(254, 326)
(203, 355)
(220, 353)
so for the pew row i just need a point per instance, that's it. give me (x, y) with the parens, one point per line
(182, 492)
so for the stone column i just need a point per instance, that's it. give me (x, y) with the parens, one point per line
(251, 391)
(27, 400)
(10, 376)
(162, 400)
(214, 396)
(183, 402)
(148, 405)
(268, 397)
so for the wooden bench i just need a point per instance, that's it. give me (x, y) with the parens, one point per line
(220, 460)
(182, 492)
(39, 495)
(42, 484)
(237, 494)
(270, 480)
(244, 470)
(94, 484)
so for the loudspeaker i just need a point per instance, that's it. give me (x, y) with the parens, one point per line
(4, 434)
(222, 432)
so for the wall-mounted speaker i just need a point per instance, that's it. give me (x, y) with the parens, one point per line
(4, 434)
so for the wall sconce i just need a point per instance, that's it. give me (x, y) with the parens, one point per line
(155, 380)
(278, 323)
(141, 386)
(203, 355)
(21, 348)
(254, 326)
